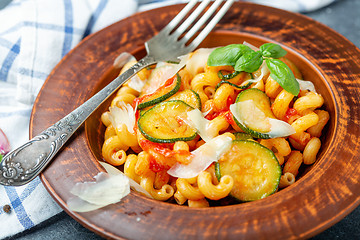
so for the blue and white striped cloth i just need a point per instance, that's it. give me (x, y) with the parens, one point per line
(34, 36)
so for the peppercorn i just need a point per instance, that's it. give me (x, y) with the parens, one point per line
(7, 208)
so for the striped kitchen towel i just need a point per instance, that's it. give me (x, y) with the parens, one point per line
(34, 36)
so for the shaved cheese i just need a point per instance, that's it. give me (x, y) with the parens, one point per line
(202, 157)
(278, 128)
(136, 83)
(122, 59)
(106, 190)
(76, 204)
(134, 185)
(264, 70)
(124, 114)
(306, 85)
(195, 119)
(251, 46)
(163, 72)
(197, 60)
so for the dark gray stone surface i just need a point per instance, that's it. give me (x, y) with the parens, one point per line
(342, 16)
(3, 3)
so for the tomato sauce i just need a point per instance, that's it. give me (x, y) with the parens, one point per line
(291, 112)
(161, 148)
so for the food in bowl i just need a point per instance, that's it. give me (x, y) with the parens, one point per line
(231, 122)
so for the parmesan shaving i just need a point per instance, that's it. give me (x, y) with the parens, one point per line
(196, 120)
(136, 83)
(124, 114)
(251, 46)
(306, 85)
(197, 60)
(163, 72)
(264, 70)
(278, 128)
(133, 185)
(107, 189)
(202, 157)
(122, 59)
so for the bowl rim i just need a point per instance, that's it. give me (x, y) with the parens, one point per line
(260, 203)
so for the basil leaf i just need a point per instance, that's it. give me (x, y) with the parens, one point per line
(1, 157)
(249, 62)
(227, 55)
(283, 75)
(272, 50)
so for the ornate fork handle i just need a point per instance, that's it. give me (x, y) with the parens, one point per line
(23, 164)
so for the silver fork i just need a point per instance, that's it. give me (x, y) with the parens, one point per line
(23, 164)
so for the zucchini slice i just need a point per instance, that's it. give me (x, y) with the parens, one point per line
(188, 96)
(227, 76)
(164, 122)
(252, 112)
(169, 88)
(217, 171)
(254, 168)
(242, 136)
(243, 86)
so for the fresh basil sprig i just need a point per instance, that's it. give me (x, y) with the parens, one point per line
(283, 75)
(272, 50)
(227, 55)
(243, 58)
(249, 62)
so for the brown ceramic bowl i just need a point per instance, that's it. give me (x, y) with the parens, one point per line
(324, 193)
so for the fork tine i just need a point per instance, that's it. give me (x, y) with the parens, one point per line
(210, 26)
(191, 18)
(176, 20)
(201, 21)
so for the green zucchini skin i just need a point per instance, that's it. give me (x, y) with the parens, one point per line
(217, 171)
(260, 98)
(228, 76)
(188, 96)
(161, 123)
(240, 87)
(161, 94)
(242, 136)
(254, 168)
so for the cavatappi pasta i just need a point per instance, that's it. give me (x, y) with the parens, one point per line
(197, 132)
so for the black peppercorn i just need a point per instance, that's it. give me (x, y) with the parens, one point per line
(7, 208)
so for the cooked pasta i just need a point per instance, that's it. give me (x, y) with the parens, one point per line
(240, 116)
(272, 88)
(309, 102)
(324, 117)
(188, 190)
(294, 162)
(311, 150)
(286, 180)
(211, 191)
(281, 104)
(198, 203)
(147, 182)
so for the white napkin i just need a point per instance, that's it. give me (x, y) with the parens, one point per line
(34, 36)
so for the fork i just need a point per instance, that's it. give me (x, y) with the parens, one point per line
(23, 164)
